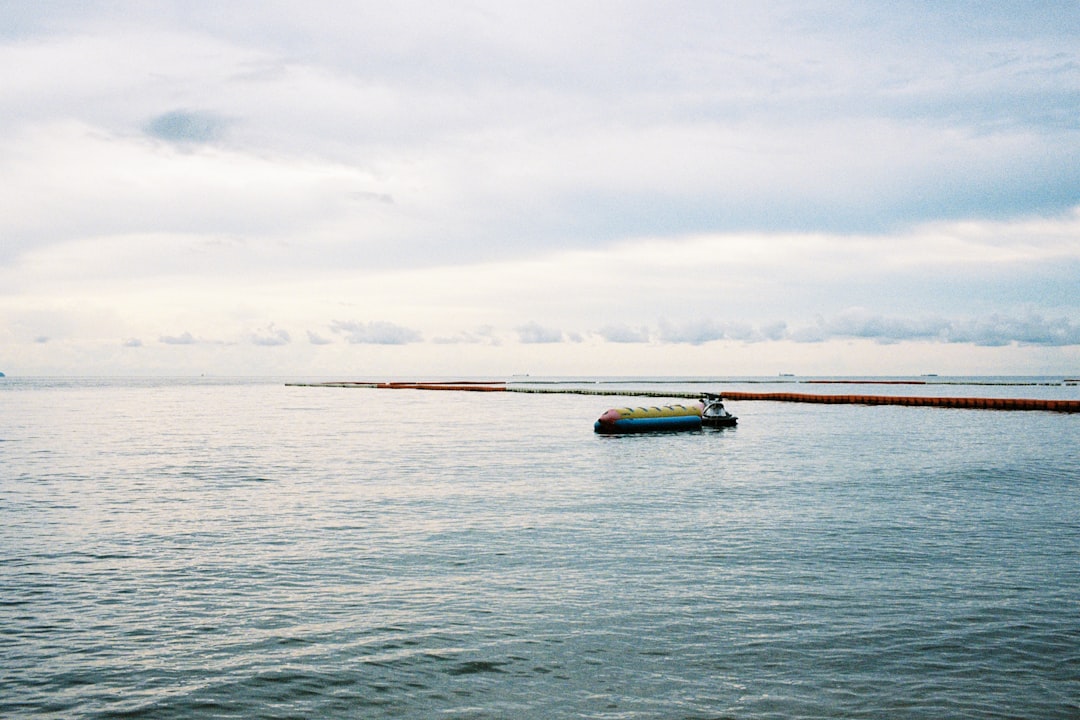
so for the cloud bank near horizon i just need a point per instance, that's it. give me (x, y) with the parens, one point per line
(993, 330)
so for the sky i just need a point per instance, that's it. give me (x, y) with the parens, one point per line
(362, 189)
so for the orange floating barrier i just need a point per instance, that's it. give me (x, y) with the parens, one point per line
(1037, 404)
(1063, 406)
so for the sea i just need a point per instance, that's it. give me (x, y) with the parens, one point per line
(250, 548)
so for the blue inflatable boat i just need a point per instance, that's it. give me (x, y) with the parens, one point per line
(709, 412)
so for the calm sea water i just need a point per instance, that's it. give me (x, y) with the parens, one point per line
(243, 549)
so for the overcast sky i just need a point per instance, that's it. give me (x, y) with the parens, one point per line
(488, 188)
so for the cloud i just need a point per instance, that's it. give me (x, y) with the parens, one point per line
(367, 196)
(184, 126)
(997, 330)
(716, 120)
(532, 333)
(694, 332)
(270, 336)
(860, 323)
(697, 332)
(774, 331)
(994, 330)
(221, 209)
(624, 334)
(132, 343)
(375, 333)
(483, 335)
(736, 169)
(184, 339)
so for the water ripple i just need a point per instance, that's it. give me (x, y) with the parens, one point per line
(248, 550)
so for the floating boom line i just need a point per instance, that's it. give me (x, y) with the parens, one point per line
(981, 403)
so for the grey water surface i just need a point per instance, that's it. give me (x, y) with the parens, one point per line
(244, 549)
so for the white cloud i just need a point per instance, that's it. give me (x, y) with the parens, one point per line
(532, 333)
(624, 334)
(679, 177)
(653, 125)
(483, 335)
(183, 339)
(991, 331)
(774, 330)
(859, 323)
(271, 336)
(697, 332)
(694, 332)
(997, 330)
(375, 333)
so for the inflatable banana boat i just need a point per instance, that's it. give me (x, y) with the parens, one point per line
(708, 412)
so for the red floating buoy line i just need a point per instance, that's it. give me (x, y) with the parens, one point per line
(982, 403)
